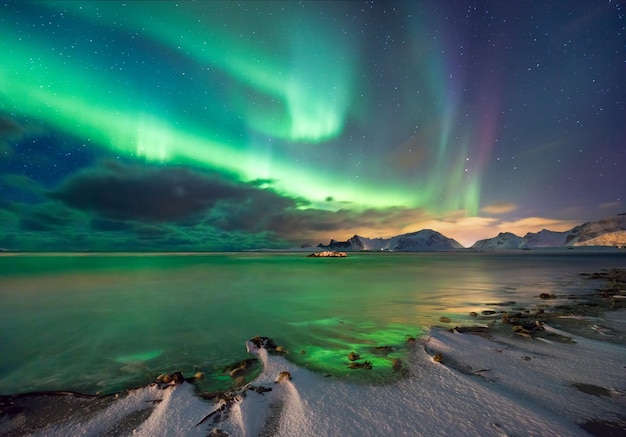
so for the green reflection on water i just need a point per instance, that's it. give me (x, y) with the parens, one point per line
(65, 319)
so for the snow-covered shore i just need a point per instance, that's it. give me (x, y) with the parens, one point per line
(492, 384)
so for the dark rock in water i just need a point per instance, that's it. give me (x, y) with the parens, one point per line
(444, 319)
(473, 314)
(367, 365)
(487, 312)
(248, 362)
(383, 350)
(264, 342)
(546, 296)
(240, 369)
(236, 373)
(353, 356)
(501, 304)
(178, 378)
(327, 254)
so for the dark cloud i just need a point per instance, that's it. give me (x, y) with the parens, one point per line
(49, 216)
(10, 131)
(152, 194)
(105, 224)
(9, 127)
(13, 130)
(181, 209)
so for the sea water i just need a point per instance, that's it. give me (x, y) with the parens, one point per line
(100, 323)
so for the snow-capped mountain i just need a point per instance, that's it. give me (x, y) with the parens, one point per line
(609, 231)
(425, 240)
(610, 239)
(605, 232)
(544, 238)
(503, 241)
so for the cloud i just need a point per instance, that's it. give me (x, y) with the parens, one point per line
(174, 208)
(149, 194)
(22, 183)
(49, 216)
(12, 131)
(499, 208)
(607, 205)
(535, 224)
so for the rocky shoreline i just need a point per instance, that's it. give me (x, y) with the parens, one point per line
(569, 311)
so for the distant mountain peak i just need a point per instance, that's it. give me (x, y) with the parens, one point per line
(425, 240)
(608, 231)
(604, 232)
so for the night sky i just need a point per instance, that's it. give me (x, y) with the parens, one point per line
(213, 125)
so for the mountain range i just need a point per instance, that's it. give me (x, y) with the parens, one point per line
(609, 231)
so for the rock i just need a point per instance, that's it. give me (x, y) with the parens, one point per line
(199, 375)
(396, 364)
(264, 342)
(243, 364)
(353, 356)
(383, 350)
(168, 378)
(178, 378)
(367, 365)
(236, 373)
(487, 312)
(473, 314)
(501, 304)
(284, 376)
(438, 357)
(260, 389)
(546, 296)
(327, 254)
(444, 319)
(472, 329)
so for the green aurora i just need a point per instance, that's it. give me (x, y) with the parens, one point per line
(347, 119)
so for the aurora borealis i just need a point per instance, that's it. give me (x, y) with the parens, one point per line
(212, 125)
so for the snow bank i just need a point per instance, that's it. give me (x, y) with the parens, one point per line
(494, 385)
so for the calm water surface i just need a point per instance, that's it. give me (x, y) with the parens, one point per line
(102, 323)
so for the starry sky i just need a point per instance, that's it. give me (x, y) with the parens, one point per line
(208, 125)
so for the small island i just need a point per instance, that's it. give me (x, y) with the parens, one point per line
(327, 254)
